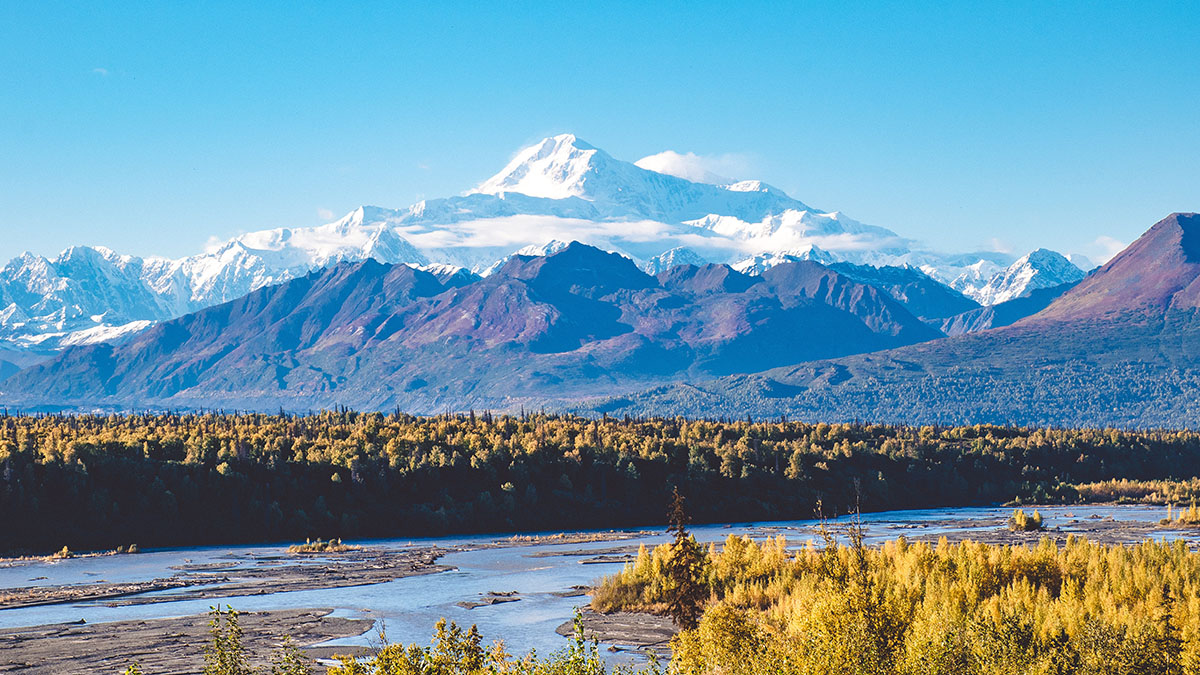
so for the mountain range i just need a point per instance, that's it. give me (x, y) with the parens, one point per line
(571, 326)
(577, 323)
(575, 281)
(558, 190)
(1119, 348)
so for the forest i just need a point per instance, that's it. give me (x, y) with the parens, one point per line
(92, 482)
(926, 609)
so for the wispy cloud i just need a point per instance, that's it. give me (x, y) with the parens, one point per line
(640, 239)
(1104, 247)
(713, 169)
(324, 213)
(998, 245)
(102, 72)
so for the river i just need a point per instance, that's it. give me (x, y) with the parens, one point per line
(406, 609)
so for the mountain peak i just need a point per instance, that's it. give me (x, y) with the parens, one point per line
(761, 262)
(554, 168)
(1041, 268)
(577, 265)
(1045, 255)
(1159, 271)
(363, 215)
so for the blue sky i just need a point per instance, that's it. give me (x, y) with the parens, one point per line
(152, 127)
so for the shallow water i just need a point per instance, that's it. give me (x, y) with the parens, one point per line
(406, 609)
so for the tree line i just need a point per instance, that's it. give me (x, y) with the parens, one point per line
(102, 481)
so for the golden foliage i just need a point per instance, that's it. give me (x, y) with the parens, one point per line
(1023, 522)
(1125, 491)
(1189, 517)
(318, 546)
(909, 608)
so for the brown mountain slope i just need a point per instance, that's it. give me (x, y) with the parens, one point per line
(538, 331)
(1121, 348)
(1159, 272)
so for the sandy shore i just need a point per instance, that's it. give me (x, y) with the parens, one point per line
(994, 530)
(1098, 530)
(244, 575)
(177, 645)
(163, 646)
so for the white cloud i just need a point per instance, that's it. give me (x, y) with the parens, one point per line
(696, 168)
(486, 239)
(998, 245)
(324, 213)
(102, 72)
(1104, 247)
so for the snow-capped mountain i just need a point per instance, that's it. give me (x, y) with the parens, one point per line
(1040, 269)
(761, 262)
(45, 300)
(87, 295)
(549, 248)
(680, 255)
(565, 189)
(559, 190)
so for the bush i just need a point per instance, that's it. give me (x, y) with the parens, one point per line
(1021, 522)
(461, 652)
(1182, 518)
(918, 608)
(318, 546)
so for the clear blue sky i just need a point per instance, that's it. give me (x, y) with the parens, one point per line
(151, 127)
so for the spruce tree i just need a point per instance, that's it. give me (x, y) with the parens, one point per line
(685, 569)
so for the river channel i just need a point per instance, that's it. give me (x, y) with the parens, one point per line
(544, 578)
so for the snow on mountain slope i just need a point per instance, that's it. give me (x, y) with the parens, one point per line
(1040, 269)
(560, 189)
(971, 279)
(258, 259)
(761, 262)
(47, 300)
(90, 295)
(680, 255)
(549, 248)
(564, 167)
(556, 168)
(686, 166)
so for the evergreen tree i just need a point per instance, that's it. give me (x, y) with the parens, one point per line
(685, 569)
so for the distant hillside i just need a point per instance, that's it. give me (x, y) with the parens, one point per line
(1005, 313)
(918, 292)
(539, 330)
(1120, 348)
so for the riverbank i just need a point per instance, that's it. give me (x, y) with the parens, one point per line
(626, 631)
(520, 589)
(165, 646)
(242, 576)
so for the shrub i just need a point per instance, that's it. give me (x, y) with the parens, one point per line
(919, 608)
(1022, 522)
(318, 546)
